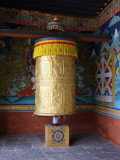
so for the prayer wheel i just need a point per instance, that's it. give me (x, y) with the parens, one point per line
(55, 76)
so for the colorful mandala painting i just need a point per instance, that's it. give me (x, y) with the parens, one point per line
(58, 136)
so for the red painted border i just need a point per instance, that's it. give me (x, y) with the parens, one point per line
(54, 43)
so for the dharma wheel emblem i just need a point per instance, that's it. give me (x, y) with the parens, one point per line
(58, 136)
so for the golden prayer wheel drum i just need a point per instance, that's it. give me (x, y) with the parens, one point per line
(55, 76)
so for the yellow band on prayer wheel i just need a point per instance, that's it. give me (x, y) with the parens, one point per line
(55, 46)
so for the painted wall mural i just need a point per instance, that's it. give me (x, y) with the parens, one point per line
(104, 80)
(112, 28)
(85, 73)
(17, 75)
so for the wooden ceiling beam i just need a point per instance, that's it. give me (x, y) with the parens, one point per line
(48, 2)
(59, 9)
(54, 6)
(79, 8)
(39, 34)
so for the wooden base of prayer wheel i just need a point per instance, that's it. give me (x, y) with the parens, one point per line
(57, 136)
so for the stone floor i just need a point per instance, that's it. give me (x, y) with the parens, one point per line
(84, 146)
